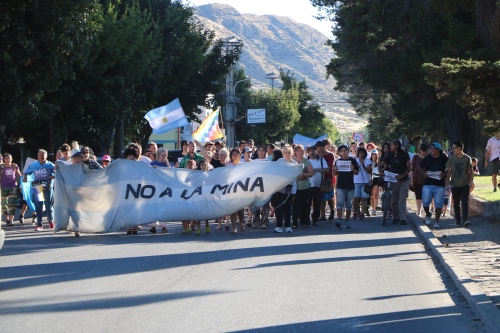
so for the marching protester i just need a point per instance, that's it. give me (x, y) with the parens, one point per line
(89, 161)
(43, 174)
(434, 168)
(376, 181)
(284, 197)
(492, 158)
(235, 156)
(9, 181)
(475, 171)
(261, 215)
(360, 179)
(398, 162)
(138, 150)
(162, 159)
(191, 155)
(203, 166)
(327, 195)
(345, 168)
(301, 209)
(106, 159)
(417, 176)
(459, 169)
(320, 167)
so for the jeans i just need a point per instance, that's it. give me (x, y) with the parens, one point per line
(49, 206)
(399, 195)
(433, 191)
(283, 209)
(461, 195)
(300, 207)
(344, 198)
(315, 202)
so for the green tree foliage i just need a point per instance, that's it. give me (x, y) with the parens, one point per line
(382, 46)
(87, 66)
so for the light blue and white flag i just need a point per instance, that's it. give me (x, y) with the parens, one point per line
(130, 193)
(167, 117)
(305, 141)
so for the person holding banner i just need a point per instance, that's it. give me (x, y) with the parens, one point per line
(398, 162)
(42, 172)
(345, 168)
(300, 208)
(284, 197)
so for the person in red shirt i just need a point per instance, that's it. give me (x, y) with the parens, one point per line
(322, 151)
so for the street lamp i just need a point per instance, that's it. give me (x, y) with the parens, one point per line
(272, 77)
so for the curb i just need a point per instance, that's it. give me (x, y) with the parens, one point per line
(475, 296)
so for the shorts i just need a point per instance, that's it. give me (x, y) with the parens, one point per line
(433, 191)
(359, 191)
(495, 166)
(327, 196)
(418, 191)
(344, 198)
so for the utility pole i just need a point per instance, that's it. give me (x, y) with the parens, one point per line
(230, 107)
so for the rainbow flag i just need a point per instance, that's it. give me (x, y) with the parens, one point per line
(209, 128)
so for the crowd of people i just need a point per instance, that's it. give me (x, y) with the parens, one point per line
(346, 179)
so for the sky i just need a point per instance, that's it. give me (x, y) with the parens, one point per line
(300, 10)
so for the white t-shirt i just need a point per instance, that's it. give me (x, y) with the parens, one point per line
(362, 177)
(493, 146)
(145, 159)
(316, 178)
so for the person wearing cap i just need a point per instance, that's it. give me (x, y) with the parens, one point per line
(86, 159)
(106, 159)
(434, 168)
(459, 169)
(398, 162)
(492, 158)
(327, 198)
(247, 154)
(417, 176)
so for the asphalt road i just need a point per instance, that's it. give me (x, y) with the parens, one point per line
(367, 279)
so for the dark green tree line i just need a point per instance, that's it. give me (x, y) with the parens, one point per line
(392, 63)
(77, 70)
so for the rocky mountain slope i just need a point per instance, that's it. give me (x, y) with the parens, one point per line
(273, 42)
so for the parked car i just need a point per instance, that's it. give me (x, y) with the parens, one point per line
(174, 155)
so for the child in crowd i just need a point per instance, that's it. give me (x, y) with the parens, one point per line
(447, 196)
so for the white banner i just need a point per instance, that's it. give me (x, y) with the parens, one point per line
(256, 116)
(129, 193)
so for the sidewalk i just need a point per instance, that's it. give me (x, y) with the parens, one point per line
(471, 257)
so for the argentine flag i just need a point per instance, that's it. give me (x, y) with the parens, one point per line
(167, 117)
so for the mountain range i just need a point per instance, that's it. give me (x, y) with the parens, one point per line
(271, 43)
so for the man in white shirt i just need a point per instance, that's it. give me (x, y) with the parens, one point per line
(492, 157)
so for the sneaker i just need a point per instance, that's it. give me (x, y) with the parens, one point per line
(338, 224)
(355, 216)
(21, 219)
(278, 230)
(77, 233)
(288, 229)
(466, 223)
(153, 230)
(444, 214)
(331, 217)
(362, 216)
(250, 225)
(347, 224)
(428, 219)
(322, 219)
(458, 223)
(164, 230)
(374, 212)
(264, 226)
(495, 189)
(10, 224)
(207, 229)
(389, 216)
(436, 225)
(403, 222)
(39, 229)
(198, 232)
(51, 225)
